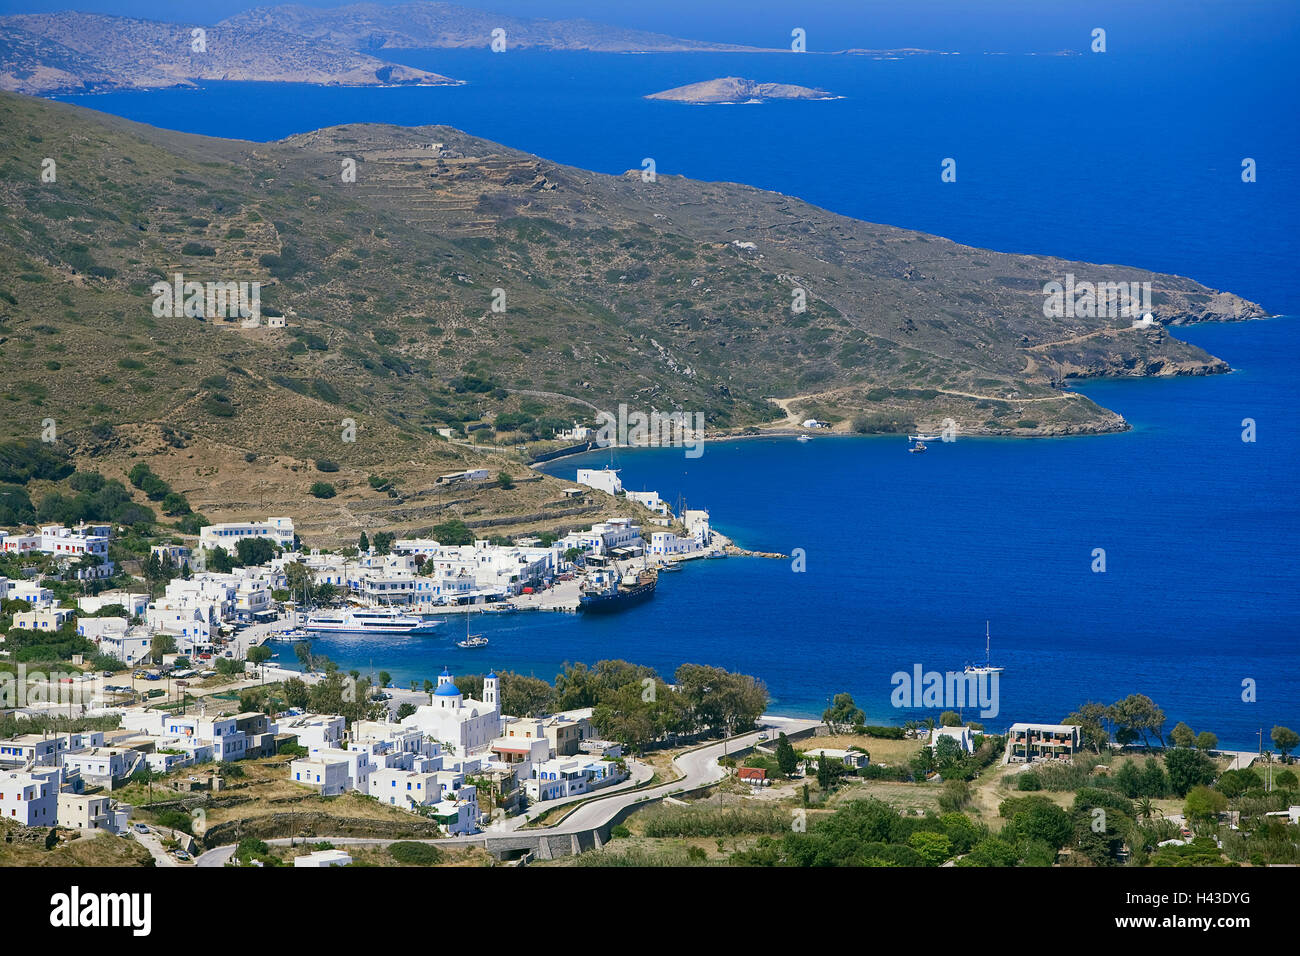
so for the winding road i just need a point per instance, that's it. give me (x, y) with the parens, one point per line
(698, 768)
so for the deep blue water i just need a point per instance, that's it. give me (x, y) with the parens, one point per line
(908, 555)
(1129, 157)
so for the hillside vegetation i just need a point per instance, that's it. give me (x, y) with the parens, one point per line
(670, 295)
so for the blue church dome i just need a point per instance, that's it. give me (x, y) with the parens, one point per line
(491, 676)
(446, 690)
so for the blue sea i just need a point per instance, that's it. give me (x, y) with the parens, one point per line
(1131, 157)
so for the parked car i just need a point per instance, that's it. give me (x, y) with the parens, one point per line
(140, 828)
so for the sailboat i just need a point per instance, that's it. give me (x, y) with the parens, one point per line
(471, 640)
(988, 667)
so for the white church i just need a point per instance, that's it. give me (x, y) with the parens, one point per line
(462, 723)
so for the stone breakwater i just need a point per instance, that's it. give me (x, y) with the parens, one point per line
(739, 552)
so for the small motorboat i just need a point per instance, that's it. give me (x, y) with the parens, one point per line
(804, 438)
(918, 448)
(924, 437)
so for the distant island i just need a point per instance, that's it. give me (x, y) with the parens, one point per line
(370, 27)
(735, 89)
(46, 54)
(69, 52)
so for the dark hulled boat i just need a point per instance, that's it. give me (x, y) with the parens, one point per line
(613, 592)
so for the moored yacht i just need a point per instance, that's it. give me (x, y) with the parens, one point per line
(988, 667)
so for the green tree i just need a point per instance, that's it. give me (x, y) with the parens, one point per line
(829, 771)
(296, 693)
(1138, 715)
(786, 758)
(922, 763)
(950, 718)
(364, 543)
(1188, 769)
(1204, 804)
(161, 644)
(1182, 735)
(991, 851)
(322, 489)
(1285, 740)
(842, 713)
(1154, 780)
(259, 654)
(252, 552)
(524, 696)
(1206, 741)
(453, 532)
(218, 560)
(934, 848)
(505, 481)
(947, 752)
(1040, 819)
(300, 580)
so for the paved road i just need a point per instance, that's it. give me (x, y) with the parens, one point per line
(151, 843)
(218, 857)
(698, 768)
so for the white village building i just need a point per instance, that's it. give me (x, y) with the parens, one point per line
(462, 723)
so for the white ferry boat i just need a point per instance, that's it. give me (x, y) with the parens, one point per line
(368, 620)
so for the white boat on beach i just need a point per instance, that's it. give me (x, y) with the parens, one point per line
(367, 620)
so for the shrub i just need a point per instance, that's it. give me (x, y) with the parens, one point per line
(174, 820)
(884, 733)
(417, 854)
(1028, 781)
(713, 822)
(322, 489)
(956, 794)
